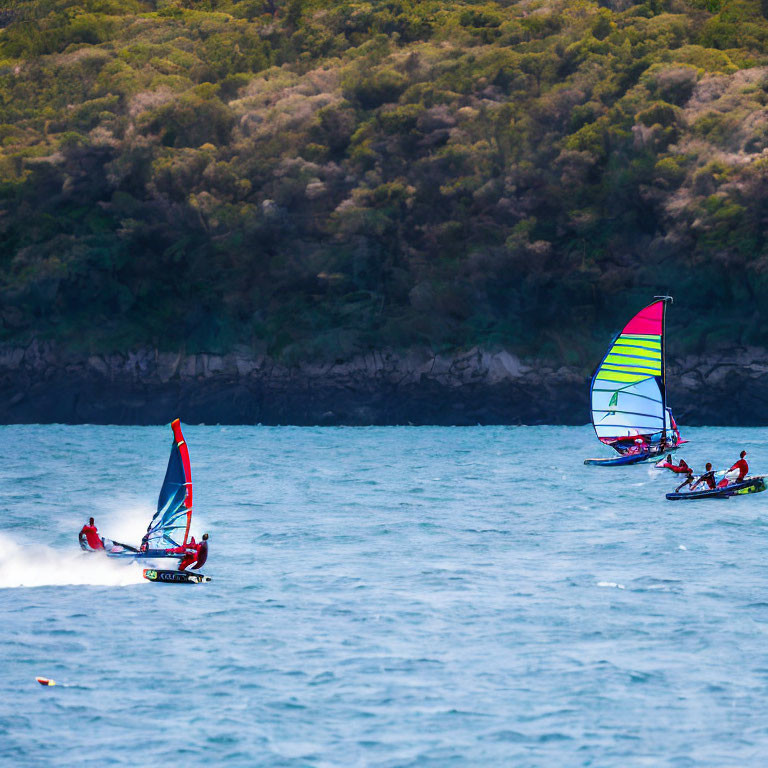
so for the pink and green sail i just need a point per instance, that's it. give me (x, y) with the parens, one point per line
(628, 394)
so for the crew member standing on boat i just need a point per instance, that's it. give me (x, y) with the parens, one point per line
(90, 534)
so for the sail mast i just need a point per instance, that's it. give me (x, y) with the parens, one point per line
(665, 299)
(181, 444)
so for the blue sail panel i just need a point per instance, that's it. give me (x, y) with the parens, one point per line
(169, 526)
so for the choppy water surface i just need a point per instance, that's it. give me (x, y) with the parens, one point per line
(383, 597)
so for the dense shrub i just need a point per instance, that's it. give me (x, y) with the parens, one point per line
(321, 178)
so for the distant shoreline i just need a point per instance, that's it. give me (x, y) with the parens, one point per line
(42, 384)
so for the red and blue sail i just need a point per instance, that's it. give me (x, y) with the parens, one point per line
(170, 525)
(628, 391)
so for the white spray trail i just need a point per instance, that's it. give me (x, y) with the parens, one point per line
(39, 566)
(126, 522)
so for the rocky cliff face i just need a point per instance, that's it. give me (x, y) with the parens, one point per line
(42, 383)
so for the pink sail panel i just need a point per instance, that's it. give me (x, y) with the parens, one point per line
(648, 321)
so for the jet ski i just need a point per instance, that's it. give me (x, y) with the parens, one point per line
(748, 485)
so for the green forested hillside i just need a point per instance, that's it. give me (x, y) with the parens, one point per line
(315, 178)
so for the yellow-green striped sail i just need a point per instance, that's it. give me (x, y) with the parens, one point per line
(627, 392)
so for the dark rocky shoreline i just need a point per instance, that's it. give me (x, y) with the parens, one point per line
(42, 384)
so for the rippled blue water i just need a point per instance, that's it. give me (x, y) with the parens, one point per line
(383, 597)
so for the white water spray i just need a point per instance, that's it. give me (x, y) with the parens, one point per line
(39, 566)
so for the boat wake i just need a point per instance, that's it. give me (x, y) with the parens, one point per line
(40, 566)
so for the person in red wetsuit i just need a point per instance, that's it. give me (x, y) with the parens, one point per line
(708, 478)
(90, 534)
(679, 469)
(202, 552)
(193, 552)
(742, 466)
(189, 550)
(736, 473)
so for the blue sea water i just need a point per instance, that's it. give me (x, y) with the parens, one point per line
(390, 597)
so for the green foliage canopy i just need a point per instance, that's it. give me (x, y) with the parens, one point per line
(319, 178)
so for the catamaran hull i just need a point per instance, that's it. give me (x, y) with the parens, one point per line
(621, 461)
(174, 577)
(751, 485)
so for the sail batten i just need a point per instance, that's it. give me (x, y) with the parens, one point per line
(629, 413)
(628, 396)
